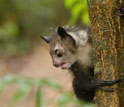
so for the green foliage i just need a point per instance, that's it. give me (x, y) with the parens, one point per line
(8, 31)
(26, 84)
(9, 44)
(65, 99)
(22, 91)
(40, 99)
(78, 10)
(22, 21)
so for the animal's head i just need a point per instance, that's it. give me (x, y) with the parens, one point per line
(63, 47)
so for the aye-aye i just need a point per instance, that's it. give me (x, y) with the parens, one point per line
(71, 48)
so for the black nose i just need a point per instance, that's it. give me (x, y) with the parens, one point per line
(56, 65)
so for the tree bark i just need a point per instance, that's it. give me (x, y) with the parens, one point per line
(108, 41)
(120, 50)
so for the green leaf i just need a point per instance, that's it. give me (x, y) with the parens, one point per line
(9, 79)
(25, 84)
(2, 86)
(65, 99)
(40, 99)
(85, 18)
(70, 3)
(78, 10)
(50, 83)
(75, 13)
(20, 94)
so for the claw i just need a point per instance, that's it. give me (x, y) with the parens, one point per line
(107, 89)
(109, 82)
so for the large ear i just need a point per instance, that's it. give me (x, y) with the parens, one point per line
(46, 38)
(64, 35)
(61, 31)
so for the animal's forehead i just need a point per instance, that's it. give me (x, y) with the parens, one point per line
(56, 43)
(55, 40)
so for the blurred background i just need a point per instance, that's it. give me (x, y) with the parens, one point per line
(24, 57)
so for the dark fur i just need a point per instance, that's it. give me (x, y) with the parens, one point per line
(85, 84)
(82, 82)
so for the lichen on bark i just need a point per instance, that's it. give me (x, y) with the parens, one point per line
(108, 41)
(120, 50)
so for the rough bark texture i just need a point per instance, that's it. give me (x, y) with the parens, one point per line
(108, 39)
(120, 50)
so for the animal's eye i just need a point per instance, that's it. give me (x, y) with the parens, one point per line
(58, 53)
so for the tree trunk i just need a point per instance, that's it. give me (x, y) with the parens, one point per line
(108, 41)
(120, 50)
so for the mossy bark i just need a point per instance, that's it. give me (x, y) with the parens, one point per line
(108, 40)
(120, 50)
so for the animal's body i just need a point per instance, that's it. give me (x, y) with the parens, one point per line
(71, 48)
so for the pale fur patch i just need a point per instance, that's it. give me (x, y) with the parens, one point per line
(84, 55)
(57, 46)
(80, 37)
